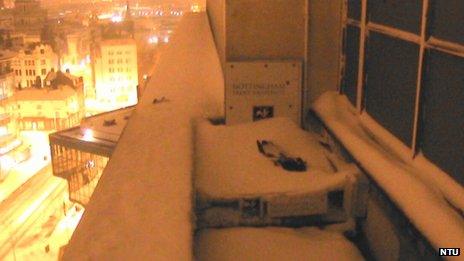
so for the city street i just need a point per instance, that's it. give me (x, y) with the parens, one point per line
(30, 205)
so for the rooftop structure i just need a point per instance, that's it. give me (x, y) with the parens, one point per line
(80, 154)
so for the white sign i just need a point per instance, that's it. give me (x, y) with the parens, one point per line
(263, 89)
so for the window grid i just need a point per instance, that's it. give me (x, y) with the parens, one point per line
(428, 38)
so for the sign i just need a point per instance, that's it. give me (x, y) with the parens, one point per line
(259, 90)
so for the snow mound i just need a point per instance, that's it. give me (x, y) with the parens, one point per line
(228, 163)
(270, 244)
(403, 180)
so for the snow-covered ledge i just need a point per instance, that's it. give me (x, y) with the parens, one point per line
(141, 208)
(428, 197)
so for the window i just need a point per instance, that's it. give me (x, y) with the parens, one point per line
(401, 62)
(44, 71)
(42, 51)
(110, 61)
(43, 62)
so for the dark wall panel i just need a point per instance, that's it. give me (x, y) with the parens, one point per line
(442, 121)
(354, 9)
(402, 14)
(350, 79)
(390, 90)
(447, 20)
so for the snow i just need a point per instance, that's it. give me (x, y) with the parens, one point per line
(273, 244)
(141, 208)
(229, 165)
(401, 178)
(112, 133)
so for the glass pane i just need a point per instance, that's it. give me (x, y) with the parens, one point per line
(350, 79)
(401, 14)
(447, 20)
(390, 89)
(354, 9)
(442, 124)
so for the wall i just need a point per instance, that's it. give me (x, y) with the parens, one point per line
(272, 29)
(216, 14)
(323, 47)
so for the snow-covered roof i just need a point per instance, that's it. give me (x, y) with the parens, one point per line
(418, 189)
(103, 136)
(107, 126)
(142, 206)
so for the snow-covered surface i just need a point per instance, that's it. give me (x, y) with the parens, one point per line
(229, 165)
(270, 244)
(141, 208)
(112, 133)
(406, 181)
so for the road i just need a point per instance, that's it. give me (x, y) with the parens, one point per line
(33, 202)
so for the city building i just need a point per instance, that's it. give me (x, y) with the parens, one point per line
(80, 154)
(12, 149)
(381, 84)
(29, 16)
(57, 105)
(33, 63)
(115, 73)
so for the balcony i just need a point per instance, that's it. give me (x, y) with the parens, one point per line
(143, 206)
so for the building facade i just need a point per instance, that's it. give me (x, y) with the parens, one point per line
(12, 149)
(116, 74)
(32, 65)
(59, 105)
(28, 16)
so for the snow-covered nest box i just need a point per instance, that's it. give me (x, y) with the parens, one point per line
(236, 184)
(273, 244)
